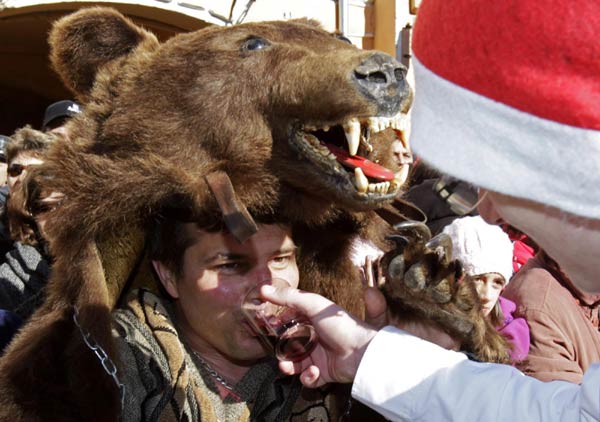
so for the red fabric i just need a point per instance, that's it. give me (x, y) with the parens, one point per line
(522, 253)
(541, 57)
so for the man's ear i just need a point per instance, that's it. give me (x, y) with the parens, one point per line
(166, 278)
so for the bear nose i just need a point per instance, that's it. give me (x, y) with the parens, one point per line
(381, 78)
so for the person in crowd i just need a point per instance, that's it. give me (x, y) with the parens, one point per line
(25, 267)
(4, 141)
(512, 110)
(485, 252)
(523, 247)
(563, 344)
(5, 240)
(442, 198)
(57, 114)
(563, 319)
(26, 150)
(207, 363)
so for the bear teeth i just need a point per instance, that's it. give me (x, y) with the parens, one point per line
(352, 131)
(398, 122)
(315, 145)
(363, 186)
(357, 132)
(360, 180)
(356, 137)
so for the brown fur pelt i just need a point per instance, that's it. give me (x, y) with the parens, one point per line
(157, 119)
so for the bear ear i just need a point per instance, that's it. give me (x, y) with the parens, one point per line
(82, 42)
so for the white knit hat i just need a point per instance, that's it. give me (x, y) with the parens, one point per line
(481, 247)
(507, 97)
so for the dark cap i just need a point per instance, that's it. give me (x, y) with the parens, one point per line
(59, 110)
(4, 141)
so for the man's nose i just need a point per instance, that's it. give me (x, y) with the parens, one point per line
(259, 276)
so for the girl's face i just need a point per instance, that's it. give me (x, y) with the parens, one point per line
(489, 286)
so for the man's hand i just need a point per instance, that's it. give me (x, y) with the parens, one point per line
(343, 339)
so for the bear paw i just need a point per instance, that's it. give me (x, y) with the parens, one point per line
(423, 283)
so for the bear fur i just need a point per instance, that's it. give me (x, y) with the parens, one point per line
(159, 118)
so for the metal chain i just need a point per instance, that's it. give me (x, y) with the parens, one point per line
(109, 367)
(214, 373)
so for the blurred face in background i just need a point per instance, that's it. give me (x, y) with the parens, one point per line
(17, 168)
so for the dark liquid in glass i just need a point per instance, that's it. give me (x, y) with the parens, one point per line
(296, 341)
(295, 348)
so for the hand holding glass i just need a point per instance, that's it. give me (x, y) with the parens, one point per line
(281, 329)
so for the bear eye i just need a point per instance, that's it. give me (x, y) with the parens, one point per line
(255, 43)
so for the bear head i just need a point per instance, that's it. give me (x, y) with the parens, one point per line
(289, 111)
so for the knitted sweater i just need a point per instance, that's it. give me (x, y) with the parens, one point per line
(23, 276)
(164, 380)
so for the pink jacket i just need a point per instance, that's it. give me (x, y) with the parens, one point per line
(515, 330)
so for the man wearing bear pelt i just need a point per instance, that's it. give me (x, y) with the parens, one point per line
(260, 118)
(208, 363)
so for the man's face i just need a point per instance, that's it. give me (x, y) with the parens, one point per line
(217, 271)
(570, 240)
(17, 169)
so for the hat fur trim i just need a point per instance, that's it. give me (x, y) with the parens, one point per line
(503, 149)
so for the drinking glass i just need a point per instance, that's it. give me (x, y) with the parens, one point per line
(283, 330)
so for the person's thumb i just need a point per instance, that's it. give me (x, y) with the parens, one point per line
(310, 304)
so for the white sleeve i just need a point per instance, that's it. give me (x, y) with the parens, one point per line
(406, 378)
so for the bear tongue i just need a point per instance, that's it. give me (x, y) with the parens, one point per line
(369, 168)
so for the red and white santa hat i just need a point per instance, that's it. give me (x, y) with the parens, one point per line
(508, 97)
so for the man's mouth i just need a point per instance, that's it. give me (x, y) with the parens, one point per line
(342, 149)
(248, 328)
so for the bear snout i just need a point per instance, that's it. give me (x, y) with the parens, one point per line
(383, 79)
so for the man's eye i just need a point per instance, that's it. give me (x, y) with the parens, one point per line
(282, 261)
(230, 266)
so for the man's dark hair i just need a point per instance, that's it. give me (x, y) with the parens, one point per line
(169, 239)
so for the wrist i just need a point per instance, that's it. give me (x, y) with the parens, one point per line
(367, 336)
